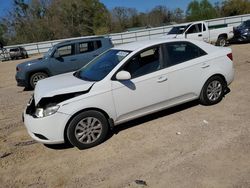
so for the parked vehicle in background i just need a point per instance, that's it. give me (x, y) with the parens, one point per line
(242, 32)
(200, 31)
(18, 52)
(61, 58)
(124, 83)
(4, 54)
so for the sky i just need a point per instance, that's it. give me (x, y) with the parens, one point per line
(140, 5)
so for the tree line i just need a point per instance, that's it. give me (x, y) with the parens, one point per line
(41, 20)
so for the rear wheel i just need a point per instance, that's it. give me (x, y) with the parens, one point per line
(87, 129)
(221, 41)
(213, 91)
(36, 77)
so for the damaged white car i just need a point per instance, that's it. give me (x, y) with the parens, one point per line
(124, 83)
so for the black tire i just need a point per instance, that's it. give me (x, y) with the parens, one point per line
(87, 129)
(36, 77)
(213, 91)
(221, 41)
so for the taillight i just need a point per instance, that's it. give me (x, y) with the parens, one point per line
(230, 56)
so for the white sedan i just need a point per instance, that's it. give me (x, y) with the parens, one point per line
(124, 83)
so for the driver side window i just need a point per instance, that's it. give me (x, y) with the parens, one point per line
(194, 29)
(145, 62)
(65, 50)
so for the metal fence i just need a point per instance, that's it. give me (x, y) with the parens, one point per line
(125, 37)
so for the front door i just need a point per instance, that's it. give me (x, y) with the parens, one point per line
(147, 88)
(195, 32)
(66, 60)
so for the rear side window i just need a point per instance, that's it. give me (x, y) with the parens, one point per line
(89, 46)
(98, 44)
(86, 47)
(179, 52)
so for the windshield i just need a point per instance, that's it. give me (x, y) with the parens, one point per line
(245, 24)
(101, 66)
(178, 29)
(48, 53)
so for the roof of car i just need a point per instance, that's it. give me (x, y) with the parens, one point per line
(81, 39)
(147, 43)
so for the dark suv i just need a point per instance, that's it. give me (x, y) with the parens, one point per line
(16, 53)
(63, 57)
(242, 32)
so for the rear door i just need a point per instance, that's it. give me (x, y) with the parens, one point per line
(185, 67)
(88, 50)
(146, 90)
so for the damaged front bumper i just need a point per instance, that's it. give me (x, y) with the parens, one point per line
(47, 130)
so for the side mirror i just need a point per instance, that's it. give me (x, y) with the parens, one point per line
(123, 75)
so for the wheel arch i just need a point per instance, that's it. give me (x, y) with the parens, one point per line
(84, 110)
(223, 35)
(212, 75)
(30, 73)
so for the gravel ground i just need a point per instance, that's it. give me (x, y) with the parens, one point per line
(186, 146)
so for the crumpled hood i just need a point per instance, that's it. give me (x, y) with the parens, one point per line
(61, 84)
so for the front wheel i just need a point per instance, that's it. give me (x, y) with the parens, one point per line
(213, 91)
(87, 129)
(36, 77)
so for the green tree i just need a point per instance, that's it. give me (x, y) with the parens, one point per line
(3, 30)
(124, 18)
(177, 15)
(235, 7)
(40, 20)
(159, 15)
(200, 10)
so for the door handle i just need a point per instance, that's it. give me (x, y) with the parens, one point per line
(200, 35)
(205, 66)
(95, 55)
(73, 59)
(162, 79)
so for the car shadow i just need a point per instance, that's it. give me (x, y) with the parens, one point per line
(27, 89)
(63, 146)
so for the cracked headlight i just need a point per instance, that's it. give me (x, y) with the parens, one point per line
(43, 112)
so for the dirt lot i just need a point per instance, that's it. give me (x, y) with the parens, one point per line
(212, 148)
